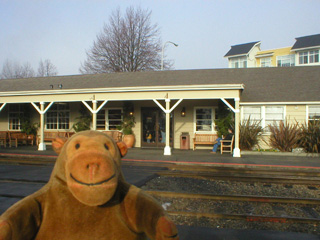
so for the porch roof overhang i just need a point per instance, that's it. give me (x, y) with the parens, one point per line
(207, 91)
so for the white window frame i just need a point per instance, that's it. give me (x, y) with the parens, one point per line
(265, 62)
(213, 110)
(18, 114)
(65, 111)
(240, 62)
(286, 60)
(263, 114)
(308, 112)
(106, 118)
(309, 57)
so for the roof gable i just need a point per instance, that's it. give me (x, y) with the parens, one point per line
(241, 49)
(307, 42)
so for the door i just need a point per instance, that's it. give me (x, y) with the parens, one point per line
(154, 128)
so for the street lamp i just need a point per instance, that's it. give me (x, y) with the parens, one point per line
(176, 45)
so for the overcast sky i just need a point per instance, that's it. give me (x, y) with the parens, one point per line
(62, 30)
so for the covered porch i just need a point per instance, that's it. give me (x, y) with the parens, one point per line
(166, 98)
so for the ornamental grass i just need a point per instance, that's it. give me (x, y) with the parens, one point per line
(310, 136)
(284, 136)
(250, 132)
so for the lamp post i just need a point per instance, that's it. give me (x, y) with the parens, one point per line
(176, 45)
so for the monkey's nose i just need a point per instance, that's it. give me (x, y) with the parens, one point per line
(93, 169)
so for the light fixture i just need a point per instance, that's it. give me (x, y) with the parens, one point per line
(183, 112)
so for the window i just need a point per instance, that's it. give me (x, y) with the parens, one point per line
(16, 111)
(314, 56)
(266, 114)
(57, 116)
(309, 57)
(314, 112)
(109, 119)
(253, 112)
(265, 62)
(273, 115)
(303, 57)
(239, 62)
(204, 119)
(286, 61)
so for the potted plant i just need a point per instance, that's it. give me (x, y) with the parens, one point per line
(127, 124)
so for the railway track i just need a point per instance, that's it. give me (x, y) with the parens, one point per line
(303, 204)
(197, 205)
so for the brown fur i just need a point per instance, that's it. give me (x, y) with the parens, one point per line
(87, 198)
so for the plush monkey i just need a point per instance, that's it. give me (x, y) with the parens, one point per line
(87, 198)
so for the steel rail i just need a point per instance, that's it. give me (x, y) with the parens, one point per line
(266, 179)
(244, 198)
(248, 218)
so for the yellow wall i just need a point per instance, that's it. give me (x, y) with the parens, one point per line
(276, 52)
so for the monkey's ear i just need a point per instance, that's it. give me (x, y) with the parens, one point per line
(57, 144)
(123, 148)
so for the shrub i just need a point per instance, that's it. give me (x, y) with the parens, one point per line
(284, 136)
(250, 132)
(310, 137)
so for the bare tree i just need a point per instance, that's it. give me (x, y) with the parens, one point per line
(127, 43)
(46, 69)
(15, 70)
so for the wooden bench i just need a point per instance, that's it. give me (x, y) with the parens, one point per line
(116, 135)
(20, 137)
(204, 139)
(4, 138)
(49, 136)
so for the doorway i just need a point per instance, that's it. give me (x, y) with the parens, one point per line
(154, 128)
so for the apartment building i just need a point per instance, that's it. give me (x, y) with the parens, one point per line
(304, 52)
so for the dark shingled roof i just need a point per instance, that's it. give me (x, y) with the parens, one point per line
(278, 84)
(307, 41)
(240, 49)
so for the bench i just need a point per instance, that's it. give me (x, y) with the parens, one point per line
(50, 136)
(204, 139)
(20, 137)
(4, 138)
(116, 135)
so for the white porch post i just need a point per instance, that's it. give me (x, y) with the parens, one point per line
(167, 110)
(236, 110)
(42, 145)
(94, 115)
(167, 149)
(42, 110)
(236, 150)
(94, 110)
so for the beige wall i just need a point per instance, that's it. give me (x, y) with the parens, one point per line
(296, 113)
(186, 124)
(181, 124)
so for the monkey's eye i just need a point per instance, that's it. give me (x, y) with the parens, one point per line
(77, 146)
(106, 146)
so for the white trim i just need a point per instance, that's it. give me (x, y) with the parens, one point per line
(38, 109)
(264, 55)
(305, 49)
(90, 108)
(129, 89)
(213, 112)
(2, 106)
(167, 100)
(229, 105)
(278, 103)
